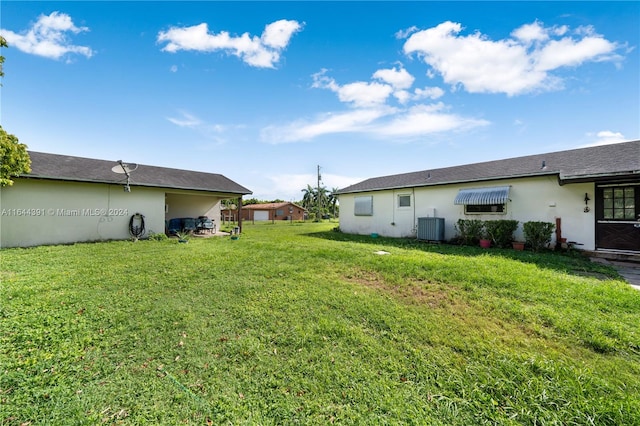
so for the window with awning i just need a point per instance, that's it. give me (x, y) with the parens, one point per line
(479, 196)
(483, 200)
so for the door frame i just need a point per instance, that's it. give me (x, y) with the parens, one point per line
(617, 234)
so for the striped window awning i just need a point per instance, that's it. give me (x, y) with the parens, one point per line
(483, 196)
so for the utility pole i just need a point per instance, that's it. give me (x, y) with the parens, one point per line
(319, 199)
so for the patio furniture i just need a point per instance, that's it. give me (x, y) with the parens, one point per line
(204, 224)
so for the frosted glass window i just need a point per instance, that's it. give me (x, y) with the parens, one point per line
(363, 206)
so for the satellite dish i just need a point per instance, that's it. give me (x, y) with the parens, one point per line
(123, 168)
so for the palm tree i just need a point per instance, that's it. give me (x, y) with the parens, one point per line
(308, 199)
(333, 200)
(322, 200)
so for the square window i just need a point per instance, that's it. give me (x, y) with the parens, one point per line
(404, 200)
(363, 206)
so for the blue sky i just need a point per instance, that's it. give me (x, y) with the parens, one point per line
(263, 92)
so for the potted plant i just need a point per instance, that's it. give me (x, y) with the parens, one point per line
(484, 237)
(518, 245)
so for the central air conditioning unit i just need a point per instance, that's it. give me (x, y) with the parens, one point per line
(431, 228)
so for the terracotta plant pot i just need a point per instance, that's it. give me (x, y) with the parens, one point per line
(485, 243)
(518, 245)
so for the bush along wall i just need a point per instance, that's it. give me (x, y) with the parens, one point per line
(500, 232)
(469, 231)
(537, 234)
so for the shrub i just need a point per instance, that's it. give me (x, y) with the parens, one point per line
(501, 231)
(538, 234)
(470, 231)
(157, 237)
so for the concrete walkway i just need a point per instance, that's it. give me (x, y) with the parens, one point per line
(630, 271)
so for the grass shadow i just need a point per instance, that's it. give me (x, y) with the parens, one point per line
(570, 262)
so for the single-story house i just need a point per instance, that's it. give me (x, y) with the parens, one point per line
(269, 211)
(592, 193)
(67, 199)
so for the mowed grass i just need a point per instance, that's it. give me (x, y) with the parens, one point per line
(299, 324)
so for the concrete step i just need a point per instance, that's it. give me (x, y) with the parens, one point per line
(614, 255)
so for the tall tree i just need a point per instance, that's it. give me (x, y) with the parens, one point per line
(322, 200)
(308, 197)
(14, 158)
(3, 43)
(333, 201)
(317, 200)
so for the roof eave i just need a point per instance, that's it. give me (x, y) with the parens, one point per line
(111, 182)
(70, 179)
(595, 177)
(451, 182)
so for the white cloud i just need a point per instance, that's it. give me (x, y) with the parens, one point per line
(402, 34)
(530, 33)
(417, 121)
(289, 186)
(359, 93)
(277, 34)
(568, 52)
(403, 96)
(516, 65)
(606, 137)
(48, 37)
(210, 132)
(285, 186)
(185, 120)
(398, 79)
(428, 93)
(371, 112)
(261, 52)
(363, 94)
(357, 120)
(426, 119)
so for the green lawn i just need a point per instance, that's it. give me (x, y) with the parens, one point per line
(299, 324)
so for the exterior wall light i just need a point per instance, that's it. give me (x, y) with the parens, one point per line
(586, 203)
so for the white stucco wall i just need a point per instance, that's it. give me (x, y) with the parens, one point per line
(35, 212)
(531, 199)
(192, 204)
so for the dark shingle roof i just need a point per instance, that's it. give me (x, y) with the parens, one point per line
(79, 169)
(270, 206)
(584, 164)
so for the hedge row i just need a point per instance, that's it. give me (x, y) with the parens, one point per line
(470, 231)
